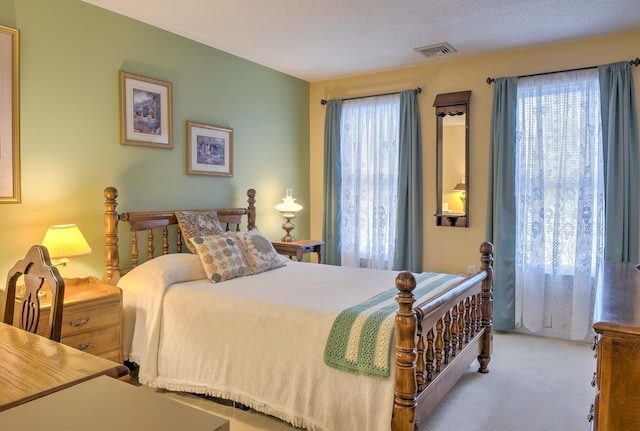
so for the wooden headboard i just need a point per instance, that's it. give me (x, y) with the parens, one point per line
(156, 223)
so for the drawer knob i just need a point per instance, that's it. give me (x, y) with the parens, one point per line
(83, 346)
(80, 322)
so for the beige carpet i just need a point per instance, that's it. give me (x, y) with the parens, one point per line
(534, 383)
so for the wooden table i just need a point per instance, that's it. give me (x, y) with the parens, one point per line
(32, 366)
(299, 248)
(105, 404)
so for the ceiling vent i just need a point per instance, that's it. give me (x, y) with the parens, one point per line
(436, 49)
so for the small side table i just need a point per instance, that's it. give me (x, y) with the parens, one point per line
(299, 248)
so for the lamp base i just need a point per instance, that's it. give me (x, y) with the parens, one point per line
(288, 227)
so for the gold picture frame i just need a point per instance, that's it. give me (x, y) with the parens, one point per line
(10, 119)
(209, 150)
(146, 117)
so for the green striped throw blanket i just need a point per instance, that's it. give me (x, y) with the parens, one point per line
(360, 338)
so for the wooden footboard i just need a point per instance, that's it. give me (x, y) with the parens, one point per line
(437, 341)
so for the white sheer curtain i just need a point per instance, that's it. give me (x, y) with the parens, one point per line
(370, 158)
(559, 189)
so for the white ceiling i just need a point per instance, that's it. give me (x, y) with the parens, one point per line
(322, 39)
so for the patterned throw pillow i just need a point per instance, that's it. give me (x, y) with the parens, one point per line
(221, 257)
(259, 252)
(198, 223)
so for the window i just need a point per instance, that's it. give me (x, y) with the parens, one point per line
(369, 194)
(559, 189)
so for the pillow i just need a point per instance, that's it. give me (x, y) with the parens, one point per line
(259, 252)
(143, 288)
(221, 257)
(198, 223)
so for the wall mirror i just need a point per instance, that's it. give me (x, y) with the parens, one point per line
(452, 155)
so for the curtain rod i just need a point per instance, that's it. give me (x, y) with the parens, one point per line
(418, 90)
(634, 62)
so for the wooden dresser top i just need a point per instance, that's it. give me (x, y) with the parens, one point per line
(617, 305)
(79, 290)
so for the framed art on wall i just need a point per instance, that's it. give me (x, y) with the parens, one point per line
(146, 117)
(209, 150)
(9, 115)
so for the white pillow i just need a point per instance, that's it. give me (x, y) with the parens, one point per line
(163, 271)
(143, 289)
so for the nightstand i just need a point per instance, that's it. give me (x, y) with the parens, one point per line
(91, 317)
(300, 248)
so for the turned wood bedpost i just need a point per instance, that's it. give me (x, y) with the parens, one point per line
(404, 405)
(251, 211)
(111, 273)
(486, 306)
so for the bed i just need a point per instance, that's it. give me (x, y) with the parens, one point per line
(263, 340)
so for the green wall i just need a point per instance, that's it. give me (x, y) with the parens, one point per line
(71, 53)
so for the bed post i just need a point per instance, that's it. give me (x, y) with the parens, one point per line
(111, 273)
(486, 307)
(251, 211)
(404, 405)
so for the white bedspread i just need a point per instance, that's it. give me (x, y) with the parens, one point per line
(258, 340)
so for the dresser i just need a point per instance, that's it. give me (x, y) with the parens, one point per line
(617, 349)
(91, 318)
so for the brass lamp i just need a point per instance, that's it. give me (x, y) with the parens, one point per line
(462, 187)
(289, 208)
(64, 241)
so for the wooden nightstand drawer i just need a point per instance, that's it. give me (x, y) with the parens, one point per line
(81, 319)
(107, 339)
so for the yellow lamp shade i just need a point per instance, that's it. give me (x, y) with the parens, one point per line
(64, 241)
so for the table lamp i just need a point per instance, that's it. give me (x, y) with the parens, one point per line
(289, 208)
(64, 241)
(462, 187)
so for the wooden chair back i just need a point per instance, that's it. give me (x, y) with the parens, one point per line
(36, 268)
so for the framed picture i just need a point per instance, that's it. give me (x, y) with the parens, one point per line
(9, 115)
(146, 117)
(209, 150)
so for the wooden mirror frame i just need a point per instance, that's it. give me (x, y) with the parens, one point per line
(451, 104)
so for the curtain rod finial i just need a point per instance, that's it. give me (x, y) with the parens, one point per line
(490, 80)
(323, 102)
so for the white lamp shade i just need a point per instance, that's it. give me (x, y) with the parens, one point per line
(64, 241)
(288, 205)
